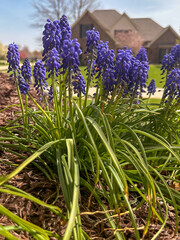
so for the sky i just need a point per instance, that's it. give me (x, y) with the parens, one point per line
(16, 17)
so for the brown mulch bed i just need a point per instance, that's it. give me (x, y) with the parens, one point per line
(35, 182)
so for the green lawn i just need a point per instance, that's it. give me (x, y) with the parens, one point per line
(155, 73)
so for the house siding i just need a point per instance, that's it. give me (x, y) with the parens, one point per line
(167, 39)
(87, 19)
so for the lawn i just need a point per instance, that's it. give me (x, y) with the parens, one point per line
(154, 73)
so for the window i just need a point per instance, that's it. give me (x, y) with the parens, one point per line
(84, 28)
(122, 31)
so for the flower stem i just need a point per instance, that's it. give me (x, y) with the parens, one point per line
(88, 83)
(20, 99)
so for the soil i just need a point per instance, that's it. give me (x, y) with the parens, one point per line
(36, 183)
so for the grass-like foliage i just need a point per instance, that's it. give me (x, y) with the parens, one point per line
(113, 143)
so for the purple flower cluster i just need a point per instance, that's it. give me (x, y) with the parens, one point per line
(50, 93)
(142, 55)
(171, 60)
(70, 55)
(79, 84)
(138, 76)
(152, 87)
(65, 29)
(52, 62)
(92, 40)
(39, 74)
(13, 57)
(23, 85)
(123, 66)
(52, 36)
(172, 87)
(105, 58)
(175, 52)
(26, 70)
(109, 80)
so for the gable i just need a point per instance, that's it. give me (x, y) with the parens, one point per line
(166, 38)
(124, 23)
(88, 19)
(147, 28)
(107, 17)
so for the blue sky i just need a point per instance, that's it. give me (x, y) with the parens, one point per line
(15, 17)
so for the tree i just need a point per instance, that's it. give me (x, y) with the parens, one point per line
(54, 9)
(3, 51)
(79, 6)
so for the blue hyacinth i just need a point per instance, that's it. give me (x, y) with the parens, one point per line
(23, 85)
(92, 40)
(70, 55)
(171, 60)
(151, 89)
(168, 63)
(52, 62)
(142, 55)
(123, 66)
(50, 93)
(26, 70)
(138, 76)
(175, 52)
(39, 74)
(13, 58)
(109, 80)
(172, 87)
(105, 58)
(79, 84)
(52, 36)
(65, 29)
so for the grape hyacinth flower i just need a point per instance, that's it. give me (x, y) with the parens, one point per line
(172, 87)
(142, 55)
(138, 76)
(52, 37)
(13, 58)
(23, 85)
(50, 93)
(26, 70)
(123, 66)
(52, 62)
(175, 52)
(70, 55)
(92, 40)
(105, 58)
(168, 63)
(152, 87)
(39, 74)
(109, 80)
(65, 29)
(79, 84)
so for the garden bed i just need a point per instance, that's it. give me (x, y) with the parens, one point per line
(34, 182)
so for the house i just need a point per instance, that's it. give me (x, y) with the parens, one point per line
(120, 30)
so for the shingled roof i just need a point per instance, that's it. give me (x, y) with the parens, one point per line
(107, 17)
(148, 29)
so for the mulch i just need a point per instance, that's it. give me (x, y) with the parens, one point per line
(36, 183)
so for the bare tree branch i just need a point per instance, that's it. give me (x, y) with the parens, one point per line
(79, 6)
(54, 9)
